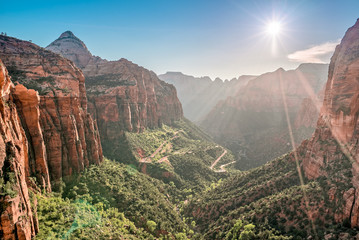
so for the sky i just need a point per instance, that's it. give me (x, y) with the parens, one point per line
(216, 38)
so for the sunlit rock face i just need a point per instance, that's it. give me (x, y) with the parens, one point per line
(199, 95)
(67, 139)
(254, 123)
(122, 95)
(336, 136)
(17, 219)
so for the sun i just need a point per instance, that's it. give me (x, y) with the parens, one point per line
(274, 28)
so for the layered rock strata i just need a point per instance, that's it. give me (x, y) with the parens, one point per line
(17, 219)
(66, 137)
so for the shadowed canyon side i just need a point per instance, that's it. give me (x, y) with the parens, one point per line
(336, 136)
(253, 123)
(68, 139)
(122, 95)
(199, 95)
(18, 220)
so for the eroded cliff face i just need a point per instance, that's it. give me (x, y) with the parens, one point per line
(129, 98)
(122, 95)
(336, 137)
(17, 219)
(65, 136)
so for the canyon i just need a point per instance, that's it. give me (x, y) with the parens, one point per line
(199, 95)
(310, 192)
(63, 109)
(253, 123)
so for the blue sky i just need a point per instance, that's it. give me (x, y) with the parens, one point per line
(224, 38)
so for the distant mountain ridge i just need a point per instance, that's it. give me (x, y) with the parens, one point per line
(253, 121)
(199, 95)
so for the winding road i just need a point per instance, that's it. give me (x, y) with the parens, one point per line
(218, 159)
(222, 167)
(149, 159)
(165, 159)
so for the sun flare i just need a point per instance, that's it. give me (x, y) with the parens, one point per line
(274, 28)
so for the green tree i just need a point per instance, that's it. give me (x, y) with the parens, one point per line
(151, 225)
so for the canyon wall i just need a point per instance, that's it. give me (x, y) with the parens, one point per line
(337, 133)
(122, 95)
(62, 132)
(17, 218)
(46, 131)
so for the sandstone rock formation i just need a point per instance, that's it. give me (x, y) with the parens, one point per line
(67, 137)
(253, 123)
(336, 136)
(74, 49)
(122, 95)
(17, 219)
(199, 95)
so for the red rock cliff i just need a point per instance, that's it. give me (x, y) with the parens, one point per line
(337, 133)
(17, 220)
(122, 95)
(130, 98)
(68, 139)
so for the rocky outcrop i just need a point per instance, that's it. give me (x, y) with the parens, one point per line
(253, 122)
(122, 95)
(130, 99)
(336, 136)
(17, 220)
(67, 137)
(199, 95)
(74, 49)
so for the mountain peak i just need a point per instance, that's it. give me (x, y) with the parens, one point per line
(280, 70)
(67, 34)
(72, 48)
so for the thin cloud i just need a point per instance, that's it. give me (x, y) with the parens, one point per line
(317, 54)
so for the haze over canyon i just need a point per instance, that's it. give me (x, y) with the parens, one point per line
(92, 148)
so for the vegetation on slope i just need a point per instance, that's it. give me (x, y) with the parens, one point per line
(165, 167)
(181, 154)
(272, 197)
(78, 219)
(140, 197)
